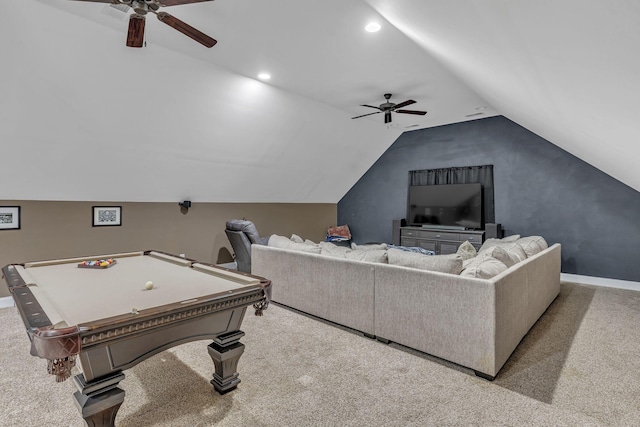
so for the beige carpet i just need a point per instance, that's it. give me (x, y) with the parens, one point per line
(579, 366)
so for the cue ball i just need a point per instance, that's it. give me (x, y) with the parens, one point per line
(149, 285)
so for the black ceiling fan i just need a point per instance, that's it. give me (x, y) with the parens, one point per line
(389, 107)
(135, 35)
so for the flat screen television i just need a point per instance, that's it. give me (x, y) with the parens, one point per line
(452, 205)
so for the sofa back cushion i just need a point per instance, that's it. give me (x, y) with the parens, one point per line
(483, 266)
(513, 250)
(369, 246)
(286, 243)
(532, 244)
(451, 264)
(333, 250)
(368, 255)
(499, 253)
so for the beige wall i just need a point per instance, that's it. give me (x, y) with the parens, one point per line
(64, 229)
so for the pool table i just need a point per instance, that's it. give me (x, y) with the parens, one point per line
(109, 318)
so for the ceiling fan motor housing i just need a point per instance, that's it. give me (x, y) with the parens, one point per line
(388, 107)
(140, 8)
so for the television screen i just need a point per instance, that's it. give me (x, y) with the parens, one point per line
(458, 205)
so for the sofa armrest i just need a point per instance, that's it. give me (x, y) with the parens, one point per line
(338, 290)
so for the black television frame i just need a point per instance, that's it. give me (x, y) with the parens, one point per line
(472, 221)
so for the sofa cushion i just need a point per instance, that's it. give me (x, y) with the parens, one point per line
(451, 264)
(513, 249)
(492, 242)
(467, 250)
(484, 266)
(296, 238)
(498, 252)
(372, 255)
(369, 246)
(509, 239)
(282, 242)
(532, 244)
(333, 250)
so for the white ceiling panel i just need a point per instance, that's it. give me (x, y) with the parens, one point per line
(79, 110)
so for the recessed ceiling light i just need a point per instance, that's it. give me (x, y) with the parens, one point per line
(372, 27)
(264, 76)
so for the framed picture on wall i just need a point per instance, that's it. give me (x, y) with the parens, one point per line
(9, 217)
(104, 216)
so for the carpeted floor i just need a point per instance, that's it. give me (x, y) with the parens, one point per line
(578, 366)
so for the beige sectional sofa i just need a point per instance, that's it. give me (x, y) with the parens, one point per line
(473, 322)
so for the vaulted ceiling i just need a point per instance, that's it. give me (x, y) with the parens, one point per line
(83, 117)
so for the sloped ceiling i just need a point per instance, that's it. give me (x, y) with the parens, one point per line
(83, 117)
(566, 70)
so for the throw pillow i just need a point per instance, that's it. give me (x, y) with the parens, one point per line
(451, 264)
(467, 250)
(339, 231)
(296, 238)
(484, 267)
(377, 255)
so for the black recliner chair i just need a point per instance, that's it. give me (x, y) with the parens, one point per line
(242, 234)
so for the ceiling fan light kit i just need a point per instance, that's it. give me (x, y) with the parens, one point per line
(135, 33)
(388, 107)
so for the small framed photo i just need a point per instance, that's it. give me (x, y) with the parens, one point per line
(107, 216)
(9, 217)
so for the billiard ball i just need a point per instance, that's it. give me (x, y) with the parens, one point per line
(149, 285)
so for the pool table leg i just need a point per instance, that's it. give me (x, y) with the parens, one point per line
(225, 351)
(99, 400)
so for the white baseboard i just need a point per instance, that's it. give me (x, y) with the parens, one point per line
(600, 281)
(6, 302)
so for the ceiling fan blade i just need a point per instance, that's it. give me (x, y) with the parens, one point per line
(364, 115)
(186, 29)
(370, 106)
(387, 116)
(175, 2)
(135, 34)
(404, 104)
(419, 113)
(98, 1)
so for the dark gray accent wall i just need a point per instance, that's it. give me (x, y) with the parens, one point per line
(540, 189)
